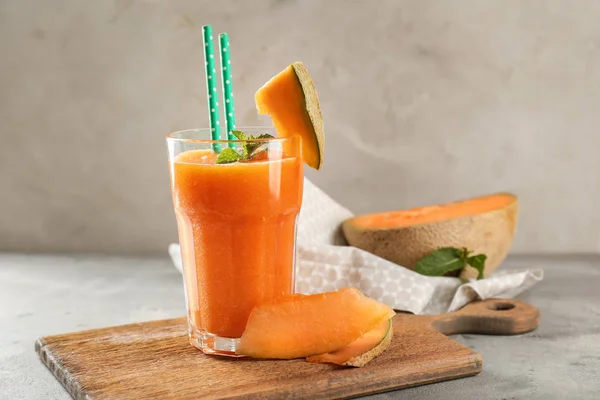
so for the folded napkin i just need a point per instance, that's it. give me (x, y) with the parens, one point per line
(325, 262)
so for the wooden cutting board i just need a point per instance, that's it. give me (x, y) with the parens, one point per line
(154, 360)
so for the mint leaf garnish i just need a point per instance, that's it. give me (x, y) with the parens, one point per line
(252, 146)
(239, 135)
(249, 148)
(228, 156)
(478, 262)
(440, 262)
(446, 259)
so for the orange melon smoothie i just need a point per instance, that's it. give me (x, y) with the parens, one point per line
(237, 231)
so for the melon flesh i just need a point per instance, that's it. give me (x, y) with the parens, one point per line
(483, 224)
(362, 350)
(292, 102)
(306, 325)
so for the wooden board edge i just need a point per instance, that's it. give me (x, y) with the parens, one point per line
(473, 367)
(58, 371)
(83, 334)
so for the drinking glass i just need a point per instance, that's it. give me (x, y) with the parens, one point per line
(237, 229)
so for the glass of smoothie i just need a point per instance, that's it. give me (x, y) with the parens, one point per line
(237, 228)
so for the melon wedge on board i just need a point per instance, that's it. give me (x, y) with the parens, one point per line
(362, 350)
(291, 100)
(305, 325)
(483, 224)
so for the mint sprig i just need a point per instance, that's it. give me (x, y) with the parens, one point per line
(228, 156)
(253, 146)
(447, 259)
(249, 148)
(478, 262)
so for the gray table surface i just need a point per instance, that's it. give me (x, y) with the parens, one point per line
(45, 295)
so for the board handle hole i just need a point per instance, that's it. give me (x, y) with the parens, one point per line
(501, 306)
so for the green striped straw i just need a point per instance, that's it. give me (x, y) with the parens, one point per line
(211, 86)
(227, 85)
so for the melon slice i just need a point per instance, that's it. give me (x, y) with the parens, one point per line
(362, 350)
(306, 325)
(292, 102)
(483, 224)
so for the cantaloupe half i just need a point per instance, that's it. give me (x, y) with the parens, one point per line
(305, 325)
(291, 100)
(483, 224)
(362, 350)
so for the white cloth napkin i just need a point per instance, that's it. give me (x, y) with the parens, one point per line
(324, 262)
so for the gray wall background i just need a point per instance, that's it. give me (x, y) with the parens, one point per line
(424, 102)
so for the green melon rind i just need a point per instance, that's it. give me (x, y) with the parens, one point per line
(313, 109)
(364, 358)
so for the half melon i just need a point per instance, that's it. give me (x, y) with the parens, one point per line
(362, 350)
(291, 100)
(483, 224)
(306, 325)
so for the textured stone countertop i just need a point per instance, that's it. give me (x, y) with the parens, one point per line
(45, 295)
